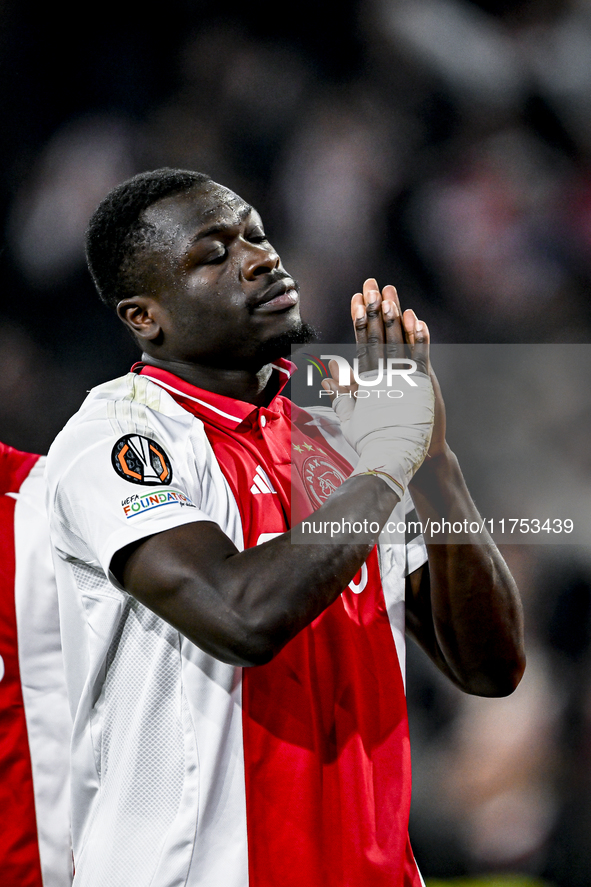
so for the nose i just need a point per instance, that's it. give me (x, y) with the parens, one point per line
(259, 258)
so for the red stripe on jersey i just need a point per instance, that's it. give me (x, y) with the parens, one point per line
(19, 850)
(327, 751)
(326, 747)
(14, 468)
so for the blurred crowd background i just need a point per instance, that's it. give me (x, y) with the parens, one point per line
(441, 145)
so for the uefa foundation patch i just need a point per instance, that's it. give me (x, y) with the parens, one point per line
(141, 460)
(135, 505)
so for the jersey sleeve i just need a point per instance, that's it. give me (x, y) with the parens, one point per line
(112, 483)
(41, 669)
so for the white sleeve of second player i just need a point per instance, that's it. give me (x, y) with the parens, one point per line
(49, 724)
(107, 489)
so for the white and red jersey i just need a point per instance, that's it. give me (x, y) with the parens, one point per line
(35, 723)
(186, 770)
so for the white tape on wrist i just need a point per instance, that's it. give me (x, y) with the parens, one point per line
(392, 436)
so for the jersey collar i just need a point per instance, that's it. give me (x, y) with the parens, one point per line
(216, 409)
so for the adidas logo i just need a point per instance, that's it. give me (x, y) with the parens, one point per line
(262, 483)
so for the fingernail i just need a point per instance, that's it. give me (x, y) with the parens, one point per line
(371, 292)
(408, 323)
(419, 326)
(388, 308)
(359, 312)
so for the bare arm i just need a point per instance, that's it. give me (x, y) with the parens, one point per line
(464, 607)
(243, 607)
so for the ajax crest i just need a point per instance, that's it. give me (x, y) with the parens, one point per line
(321, 478)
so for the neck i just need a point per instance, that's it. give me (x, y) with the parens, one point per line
(257, 387)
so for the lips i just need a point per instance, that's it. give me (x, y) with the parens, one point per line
(279, 296)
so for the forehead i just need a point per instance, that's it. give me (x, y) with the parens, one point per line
(182, 216)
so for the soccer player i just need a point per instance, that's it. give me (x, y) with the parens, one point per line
(35, 722)
(240, 710)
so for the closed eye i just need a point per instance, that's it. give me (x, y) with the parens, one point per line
(256, 236)
(216, 259)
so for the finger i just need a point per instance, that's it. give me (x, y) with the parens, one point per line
(409, 321)
(334, 372)
(420, 350)
(340, 395)
(359, 316)
(369, 330)
(330, 386)
(422, 334)
(333, 384)
(376, 335)
(392, 316)
(392, 322)
(389, 316)
(373, 304)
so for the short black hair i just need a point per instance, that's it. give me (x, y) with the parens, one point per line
(116, 233)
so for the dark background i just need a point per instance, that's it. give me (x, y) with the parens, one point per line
(441, 145)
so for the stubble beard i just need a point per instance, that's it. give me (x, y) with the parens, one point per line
(281, 345)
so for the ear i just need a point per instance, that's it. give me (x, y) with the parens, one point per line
(141, 315)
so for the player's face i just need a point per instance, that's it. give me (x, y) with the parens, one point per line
(220, 286)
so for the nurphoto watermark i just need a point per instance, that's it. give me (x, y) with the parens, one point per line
(517, 417)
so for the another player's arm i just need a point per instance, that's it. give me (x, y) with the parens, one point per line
(463, 608)
(243, 607)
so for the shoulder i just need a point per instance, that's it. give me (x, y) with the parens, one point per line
(130, 406)
(130, 463)
(125, 403)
